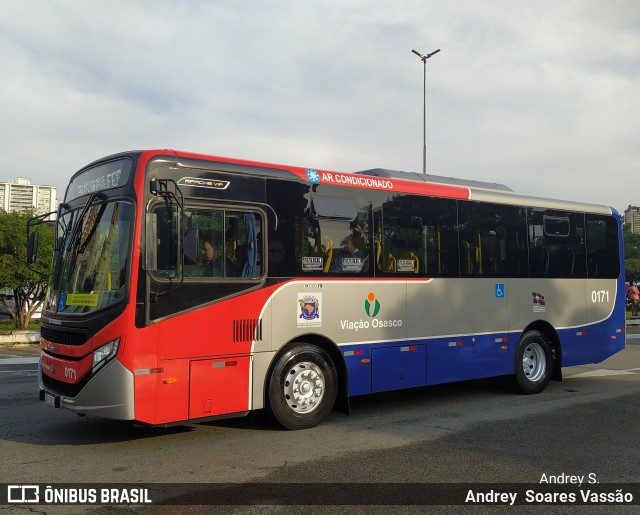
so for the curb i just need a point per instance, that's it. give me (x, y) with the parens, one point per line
(12, 338)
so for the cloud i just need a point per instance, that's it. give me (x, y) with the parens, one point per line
(541, 96)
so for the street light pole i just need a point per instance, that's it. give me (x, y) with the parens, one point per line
(424, 58)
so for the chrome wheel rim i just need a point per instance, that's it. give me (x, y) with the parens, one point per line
(304, 387)
(534, 362)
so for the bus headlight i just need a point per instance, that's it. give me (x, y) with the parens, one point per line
(103, 354)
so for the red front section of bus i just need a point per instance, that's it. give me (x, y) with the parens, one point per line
(65, 370)
(190, 366)
(196, 364)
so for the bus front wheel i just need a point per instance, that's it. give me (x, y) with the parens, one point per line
(533, 363)
(302, 387)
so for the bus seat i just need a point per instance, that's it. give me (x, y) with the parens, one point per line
(416, 262)
(391, 264)
(539, 261)
(378, 250)
(561, 261)
(327, 252)
(241, 259)
(471, 256)
(191, 246)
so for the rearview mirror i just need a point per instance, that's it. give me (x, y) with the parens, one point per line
(32, 247)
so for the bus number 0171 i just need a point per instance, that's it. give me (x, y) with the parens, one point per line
(599, 296)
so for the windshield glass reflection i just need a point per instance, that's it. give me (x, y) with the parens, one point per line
(92, 260)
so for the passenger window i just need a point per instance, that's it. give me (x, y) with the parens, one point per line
(332, 237)
(493, 240)
(228, 242)
(416, 236)
(602, 247)
(556, 244)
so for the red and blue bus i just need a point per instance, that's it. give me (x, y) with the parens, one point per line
(188, 287)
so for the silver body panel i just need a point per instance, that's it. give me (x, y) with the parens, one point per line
(481, 315)
(108, 394)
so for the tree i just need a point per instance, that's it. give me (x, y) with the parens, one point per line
(632, 269)
(631, 254)
(631, 242)
(28, 286)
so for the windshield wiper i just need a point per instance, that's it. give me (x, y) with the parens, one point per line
(74, 242)
(86, 241)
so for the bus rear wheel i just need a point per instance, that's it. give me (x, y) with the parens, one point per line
(533, 363)
(302, 387)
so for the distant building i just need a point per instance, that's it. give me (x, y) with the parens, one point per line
(632, 217)
(19, 195)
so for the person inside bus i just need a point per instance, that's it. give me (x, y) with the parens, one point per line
(352, 258)
(357, 232)
(215, 263)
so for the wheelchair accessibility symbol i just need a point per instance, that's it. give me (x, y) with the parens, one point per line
(499, 290)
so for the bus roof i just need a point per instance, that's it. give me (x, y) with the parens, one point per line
(406, 182)
(490, 191)
(414, 176)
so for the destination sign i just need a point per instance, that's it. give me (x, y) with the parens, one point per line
(102, 177)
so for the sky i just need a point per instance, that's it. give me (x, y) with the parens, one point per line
(543, 96)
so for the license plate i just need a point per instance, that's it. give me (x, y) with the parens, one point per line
(50, 399)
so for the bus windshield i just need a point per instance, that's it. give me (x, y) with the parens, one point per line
(92, 259)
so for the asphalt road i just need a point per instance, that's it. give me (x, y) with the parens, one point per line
(469, 432)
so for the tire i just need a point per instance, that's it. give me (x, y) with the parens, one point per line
(534, 364)
(302, 387)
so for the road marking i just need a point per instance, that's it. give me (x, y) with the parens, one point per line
(603, 372)
(27, 373)
(18, 361)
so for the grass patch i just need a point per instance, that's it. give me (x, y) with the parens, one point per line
(8, 325)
